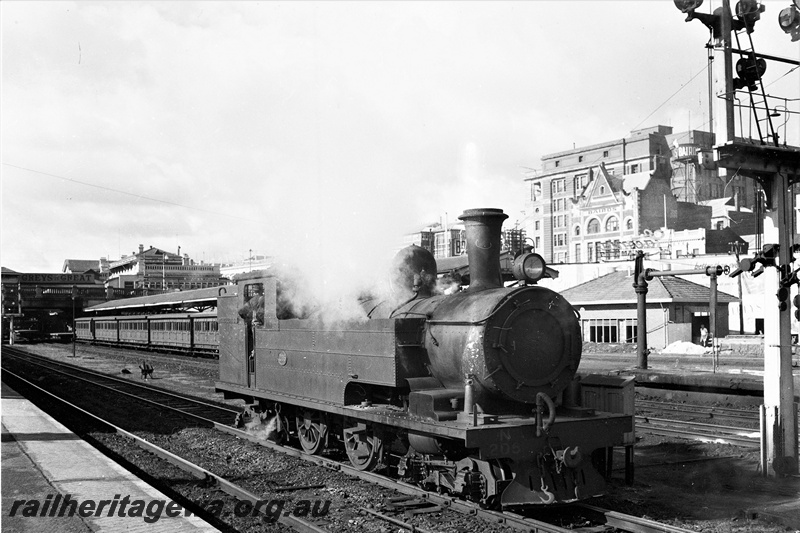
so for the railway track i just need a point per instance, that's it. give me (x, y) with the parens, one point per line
(715, 433)
(699, 423)
(136, 354)
(413, 502)
(700, 411)
(202, 411)
(227, 486)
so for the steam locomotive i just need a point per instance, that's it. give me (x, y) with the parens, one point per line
(467, 393)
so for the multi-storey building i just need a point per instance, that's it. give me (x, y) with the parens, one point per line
(586, 200)
(451, 241)
(157, 269)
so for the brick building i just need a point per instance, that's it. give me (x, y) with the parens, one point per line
(654, 179)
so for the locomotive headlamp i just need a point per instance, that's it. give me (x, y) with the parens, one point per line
(529, 267)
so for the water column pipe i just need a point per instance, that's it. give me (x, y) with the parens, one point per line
(640, 285)
(713, 317)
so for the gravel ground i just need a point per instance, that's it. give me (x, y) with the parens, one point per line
(703, 487)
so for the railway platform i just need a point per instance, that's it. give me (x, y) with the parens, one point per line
(675, 375)
(54, 481)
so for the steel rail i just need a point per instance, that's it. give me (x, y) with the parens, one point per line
(199, 472)
(702, 437)
(711, 412)
(44, 362)
(703, 425)
(152, 356)
(634, 524)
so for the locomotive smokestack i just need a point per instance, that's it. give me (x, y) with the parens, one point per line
(483, 228)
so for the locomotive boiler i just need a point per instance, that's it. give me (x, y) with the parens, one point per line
(462, 393)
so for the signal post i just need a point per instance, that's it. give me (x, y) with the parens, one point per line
(777, 169)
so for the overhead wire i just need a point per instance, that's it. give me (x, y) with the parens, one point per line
(671, 97)
(127, 193)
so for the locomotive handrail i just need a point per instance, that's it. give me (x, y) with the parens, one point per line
(461, 322)
(544, 426)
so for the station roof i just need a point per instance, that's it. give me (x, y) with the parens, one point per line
(617, 288)
(170, 300)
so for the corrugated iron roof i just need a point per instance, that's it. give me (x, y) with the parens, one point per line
(617, 287)
(180, 298)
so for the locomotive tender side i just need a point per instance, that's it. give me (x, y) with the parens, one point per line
(457, 392)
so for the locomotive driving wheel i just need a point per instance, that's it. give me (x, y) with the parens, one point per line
(364, 448)
(312, 431)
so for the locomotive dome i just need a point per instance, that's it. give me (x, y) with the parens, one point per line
(413, 270)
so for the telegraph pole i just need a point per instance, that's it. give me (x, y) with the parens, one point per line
(776, 168)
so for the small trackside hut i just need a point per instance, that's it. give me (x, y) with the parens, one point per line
(462, 393)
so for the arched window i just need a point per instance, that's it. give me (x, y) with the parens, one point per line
(594, 226)
(577, 231)
(629, 224)
(612, 224)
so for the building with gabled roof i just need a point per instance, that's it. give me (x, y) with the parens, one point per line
(676, 308)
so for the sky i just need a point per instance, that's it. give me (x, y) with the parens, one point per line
(320, 131)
